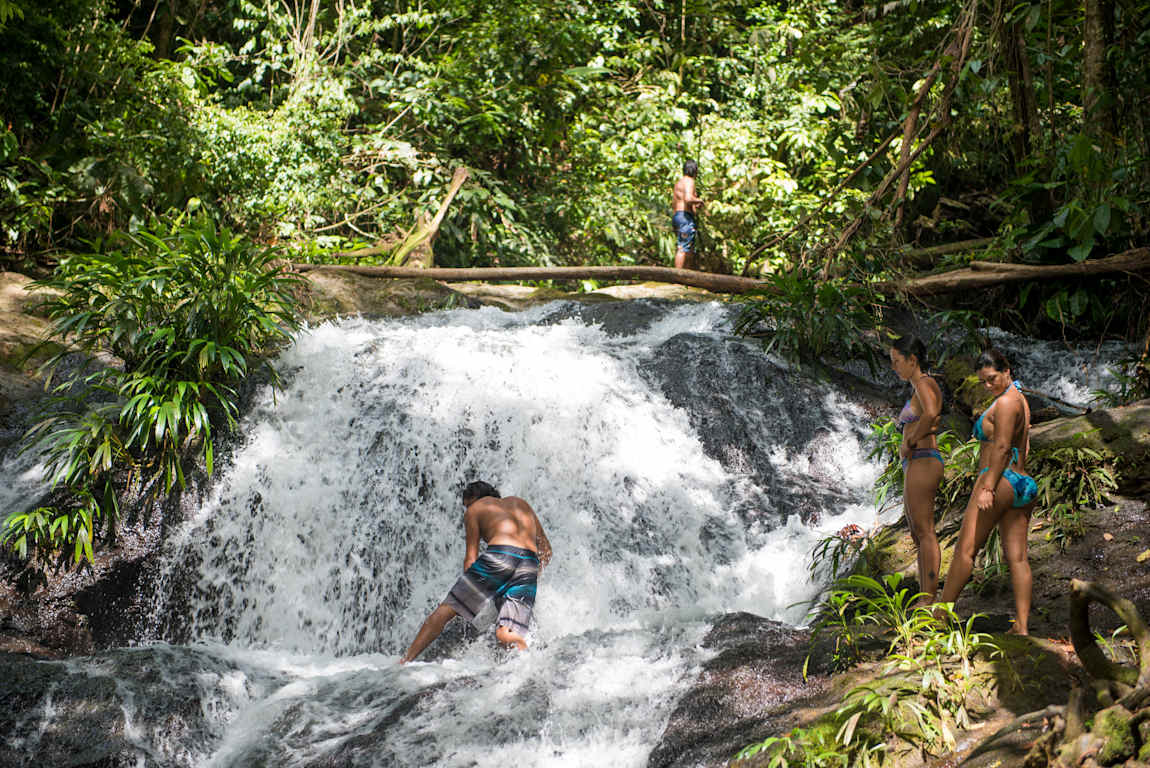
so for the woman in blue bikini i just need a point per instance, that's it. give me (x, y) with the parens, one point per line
(1003, 494)
(921, 461)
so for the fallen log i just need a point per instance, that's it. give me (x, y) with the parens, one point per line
(706, 280)
(980, 274)
(985, 274)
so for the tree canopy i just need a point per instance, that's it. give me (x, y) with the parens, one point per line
(829, 134)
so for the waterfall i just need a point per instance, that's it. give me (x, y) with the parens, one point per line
(680, 474)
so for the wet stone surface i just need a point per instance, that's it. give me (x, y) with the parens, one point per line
(752, 689)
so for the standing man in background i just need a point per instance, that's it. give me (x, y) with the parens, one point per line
(685, 202)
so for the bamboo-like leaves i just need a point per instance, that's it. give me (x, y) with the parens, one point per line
(186, 310)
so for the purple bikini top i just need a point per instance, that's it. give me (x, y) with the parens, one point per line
(906, 416)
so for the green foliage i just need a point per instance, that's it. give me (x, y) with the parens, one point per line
(815, 747)
(1072, 478)
(187, 311)
(887, 440)
(343, 122)
(923, 694)
(925, 689)
(960, 458)
(805, 319)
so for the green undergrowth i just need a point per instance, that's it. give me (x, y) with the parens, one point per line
(1072, 478)
(188, 310)
(930, 676)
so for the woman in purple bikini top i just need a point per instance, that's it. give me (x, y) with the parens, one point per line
(921, 461)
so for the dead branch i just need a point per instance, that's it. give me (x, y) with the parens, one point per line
(1082, 594)
(926, 257)
(960, 49)
(826, 201)
(986, 275)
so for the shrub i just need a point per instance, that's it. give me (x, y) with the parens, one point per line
(187, 311)
(805, 318)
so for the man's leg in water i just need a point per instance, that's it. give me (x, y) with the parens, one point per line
(507, 636)
(430, 630)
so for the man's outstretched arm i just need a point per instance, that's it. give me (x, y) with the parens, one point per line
(542, 544)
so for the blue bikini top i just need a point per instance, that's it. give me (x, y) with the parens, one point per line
(981, 436)
(977, 432)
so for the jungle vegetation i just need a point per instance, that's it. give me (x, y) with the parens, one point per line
(161, 160)
(841, 144)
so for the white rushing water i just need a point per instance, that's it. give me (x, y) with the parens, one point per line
(337, 528)
(680, 474)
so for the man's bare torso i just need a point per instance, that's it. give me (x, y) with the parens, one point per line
(683, 192)
(509, 521)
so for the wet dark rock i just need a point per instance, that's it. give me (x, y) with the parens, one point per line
(53, 613)
(713, 384)
(372, 748)
(86, 728)
(615, 318)
(752, 689)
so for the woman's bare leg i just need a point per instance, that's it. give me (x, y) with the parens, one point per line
(1014, 529)
(920, 484)
(971, 538)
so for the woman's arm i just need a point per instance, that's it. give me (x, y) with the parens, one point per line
(1005, 418)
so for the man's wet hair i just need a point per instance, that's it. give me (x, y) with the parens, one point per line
(478, 490)
(691, 168)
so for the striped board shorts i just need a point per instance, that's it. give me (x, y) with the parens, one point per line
(503, 577)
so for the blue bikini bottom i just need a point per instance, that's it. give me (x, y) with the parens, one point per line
(1024, 487)
(923, 453)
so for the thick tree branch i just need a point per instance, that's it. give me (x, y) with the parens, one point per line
(1082, 594)
(980, 275)
(707, 280)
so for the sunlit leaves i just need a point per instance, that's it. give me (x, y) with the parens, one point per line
(188, 311)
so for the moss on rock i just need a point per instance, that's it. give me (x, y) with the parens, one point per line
(1112, 725)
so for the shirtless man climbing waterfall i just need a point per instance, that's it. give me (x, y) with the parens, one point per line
(505, 574)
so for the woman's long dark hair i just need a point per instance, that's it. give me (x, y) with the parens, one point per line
(912, 345)
(992, 358)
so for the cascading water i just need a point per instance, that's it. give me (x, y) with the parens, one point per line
(680, 474)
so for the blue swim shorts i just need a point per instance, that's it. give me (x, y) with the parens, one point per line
(684, 224)
(503, 575)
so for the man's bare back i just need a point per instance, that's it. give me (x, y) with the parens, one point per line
(683, 196)
(510, 521)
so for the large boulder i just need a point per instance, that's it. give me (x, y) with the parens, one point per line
(1124, 432)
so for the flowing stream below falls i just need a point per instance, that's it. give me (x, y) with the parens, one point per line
(681, 474)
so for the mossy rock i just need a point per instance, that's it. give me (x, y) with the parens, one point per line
(331, 293)
(960, 377)
(1112, 725)
(1122, 432)
(1144, 739)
